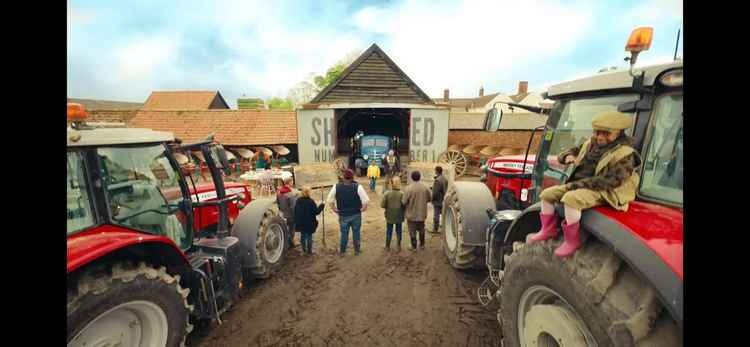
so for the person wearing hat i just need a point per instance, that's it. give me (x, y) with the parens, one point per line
(602, 173)
(391, 168)
(349, 200)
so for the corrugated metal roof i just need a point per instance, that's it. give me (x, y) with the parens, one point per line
(230, 127)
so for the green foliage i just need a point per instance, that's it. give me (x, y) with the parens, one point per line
(276, 103)
(250, 104)
(305, 91)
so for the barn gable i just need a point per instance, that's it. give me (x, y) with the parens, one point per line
(373, 77)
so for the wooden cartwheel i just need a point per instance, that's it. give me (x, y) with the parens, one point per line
(456, 158)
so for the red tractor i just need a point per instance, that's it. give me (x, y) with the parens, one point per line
(624, 286)
(144, 259)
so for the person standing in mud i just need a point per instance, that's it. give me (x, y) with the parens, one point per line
(391, 167)
(438, 193)
(286, 199)
(350, 201)
(373, 173)
(603, 173)
(305, 212)
(394, 213)
(416, 196)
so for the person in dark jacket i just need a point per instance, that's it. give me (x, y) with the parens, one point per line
(438, 193)
(305, 213)
(286, 198)
(394, 213)
(350, 201)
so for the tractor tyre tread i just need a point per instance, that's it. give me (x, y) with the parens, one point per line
(106, 286)
(617, 306)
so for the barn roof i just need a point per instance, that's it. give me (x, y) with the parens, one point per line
(373, 77)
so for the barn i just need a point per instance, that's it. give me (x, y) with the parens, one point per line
(374, 96)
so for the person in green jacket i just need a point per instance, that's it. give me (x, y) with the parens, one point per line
(394, 213)
(603, 173)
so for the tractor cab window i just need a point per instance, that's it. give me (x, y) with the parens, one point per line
(662, 170)
(80, 212)
(143, 191)
(571, 126)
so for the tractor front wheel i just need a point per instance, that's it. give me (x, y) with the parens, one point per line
(126, 305)
(271, 244)
(460, 255)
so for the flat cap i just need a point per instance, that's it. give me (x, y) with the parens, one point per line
(612, 120)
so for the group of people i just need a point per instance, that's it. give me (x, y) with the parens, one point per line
(603, 173)
(348, 199)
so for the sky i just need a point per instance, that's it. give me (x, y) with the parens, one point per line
(124, 50)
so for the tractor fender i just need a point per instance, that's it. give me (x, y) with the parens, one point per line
(527, 222)
(108, 241)
(246, 228)
(643, 260)
(625, 242)
(475, 198)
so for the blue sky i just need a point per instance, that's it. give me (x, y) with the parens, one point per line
(121, 50)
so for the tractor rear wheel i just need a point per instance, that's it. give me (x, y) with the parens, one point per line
(271, 245)
(590, 299)
(129, 306)
(459, 255)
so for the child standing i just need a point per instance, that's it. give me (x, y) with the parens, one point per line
(306, 223)
(373, 172)
(394, 213)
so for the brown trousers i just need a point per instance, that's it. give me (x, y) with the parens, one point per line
(579, 199)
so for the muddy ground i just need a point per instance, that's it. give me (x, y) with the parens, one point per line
(374, 299)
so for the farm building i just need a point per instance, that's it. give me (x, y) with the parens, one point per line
(374, 96)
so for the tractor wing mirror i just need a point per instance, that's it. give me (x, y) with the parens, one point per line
(492, 119)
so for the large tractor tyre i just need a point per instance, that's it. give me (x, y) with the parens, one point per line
(591, 299)
(127, 305)
(271, 245)
(460, 255)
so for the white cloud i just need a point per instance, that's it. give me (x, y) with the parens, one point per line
(468, 44)
(145, 59)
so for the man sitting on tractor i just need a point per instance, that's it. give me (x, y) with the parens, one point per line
(602, 173)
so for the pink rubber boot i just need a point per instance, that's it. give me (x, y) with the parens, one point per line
(572, 240)
(548, 231)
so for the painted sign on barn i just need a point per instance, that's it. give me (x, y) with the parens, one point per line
(428, 135)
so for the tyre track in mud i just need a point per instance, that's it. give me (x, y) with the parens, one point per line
(374, 299)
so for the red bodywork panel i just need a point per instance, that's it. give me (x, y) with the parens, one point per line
(508, 165)
(207, 216)
(657, 226)
(91, 244)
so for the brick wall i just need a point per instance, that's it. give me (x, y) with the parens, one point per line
(122, 116)
(501, 138)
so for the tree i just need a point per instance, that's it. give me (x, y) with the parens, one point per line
(277, 103)
(305, 91)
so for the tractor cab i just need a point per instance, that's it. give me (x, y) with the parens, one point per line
(130, 178)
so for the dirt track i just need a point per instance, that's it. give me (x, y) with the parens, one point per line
(374, 299)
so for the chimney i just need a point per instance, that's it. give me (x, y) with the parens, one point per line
(523, 87)
(446, 95)
(481, 91)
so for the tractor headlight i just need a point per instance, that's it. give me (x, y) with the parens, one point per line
(366, 156)
(484, 168)
(382, 156)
